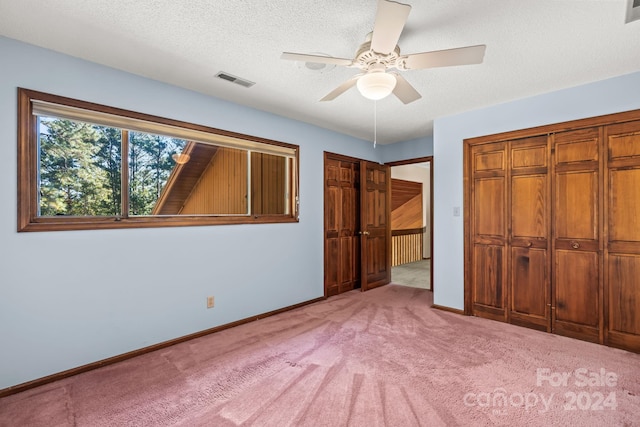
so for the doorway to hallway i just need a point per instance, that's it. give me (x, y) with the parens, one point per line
(411, 222)
(416, 274)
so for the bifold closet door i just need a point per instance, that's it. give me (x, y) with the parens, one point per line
(622, 252)
(489, 230)
(529, 277)
(576, 296)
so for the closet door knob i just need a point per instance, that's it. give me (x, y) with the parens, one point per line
(575, 245)
(529, 244)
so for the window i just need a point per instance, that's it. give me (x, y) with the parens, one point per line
(87, 166)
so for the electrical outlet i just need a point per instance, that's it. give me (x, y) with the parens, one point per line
(210, 302)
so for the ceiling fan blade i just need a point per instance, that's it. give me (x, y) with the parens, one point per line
(445, 58)
(319, 59)
(404, 91)
(390, 20)
(342, 88)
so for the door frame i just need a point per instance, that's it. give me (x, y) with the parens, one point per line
(428, 159)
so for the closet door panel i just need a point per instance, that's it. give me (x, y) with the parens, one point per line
(489, 258)
(624, 298)
(529, 278)
(577, 146)
(576, 207)
(489, 231)
(622, 252)
(577, 235)
(529, 153)
(624, 205)
(528, 207)
(488, 278)
(489, 158)
(489, 197)
(623, 141)
(529, 301)
(575, 288)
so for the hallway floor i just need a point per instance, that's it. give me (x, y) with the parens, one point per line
(415, 274)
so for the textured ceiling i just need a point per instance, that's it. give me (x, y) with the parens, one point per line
(532, 47)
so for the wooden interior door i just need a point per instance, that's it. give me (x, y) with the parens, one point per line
(576, 297)
(342, 224)
(375, 192)
(622, 251)
(489, 230)
(529, 279)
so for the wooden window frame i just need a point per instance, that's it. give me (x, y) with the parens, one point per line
(29, 220)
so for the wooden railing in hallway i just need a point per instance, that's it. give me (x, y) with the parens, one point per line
(407, 245)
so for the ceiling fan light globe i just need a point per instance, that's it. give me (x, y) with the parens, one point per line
(377, 85)
(181, 158)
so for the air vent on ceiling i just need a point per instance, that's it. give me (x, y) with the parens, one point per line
(234, 79)
(633, 10)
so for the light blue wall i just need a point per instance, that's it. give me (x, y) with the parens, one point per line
(72, 298)
(599, 98)
(412, 149)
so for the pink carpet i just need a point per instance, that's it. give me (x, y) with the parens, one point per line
(380, 358)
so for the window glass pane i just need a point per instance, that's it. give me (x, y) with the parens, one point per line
(204, 179)
(269, 181)
(150, 165)
(79, 168)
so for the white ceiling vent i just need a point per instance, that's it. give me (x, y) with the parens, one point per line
(633, 10)
(234, 79)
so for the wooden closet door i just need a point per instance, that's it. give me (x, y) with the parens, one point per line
(622, 251)
(342, 225)
(489, 230)
(529, 282)
(375, 219)
(576, 297)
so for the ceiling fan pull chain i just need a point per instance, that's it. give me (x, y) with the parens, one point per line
(375, 123)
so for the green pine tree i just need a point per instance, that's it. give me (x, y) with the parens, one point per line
(72, 179)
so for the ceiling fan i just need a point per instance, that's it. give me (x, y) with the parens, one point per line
(380, 53)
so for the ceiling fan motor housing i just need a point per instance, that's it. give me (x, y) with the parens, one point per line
(366, 58)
